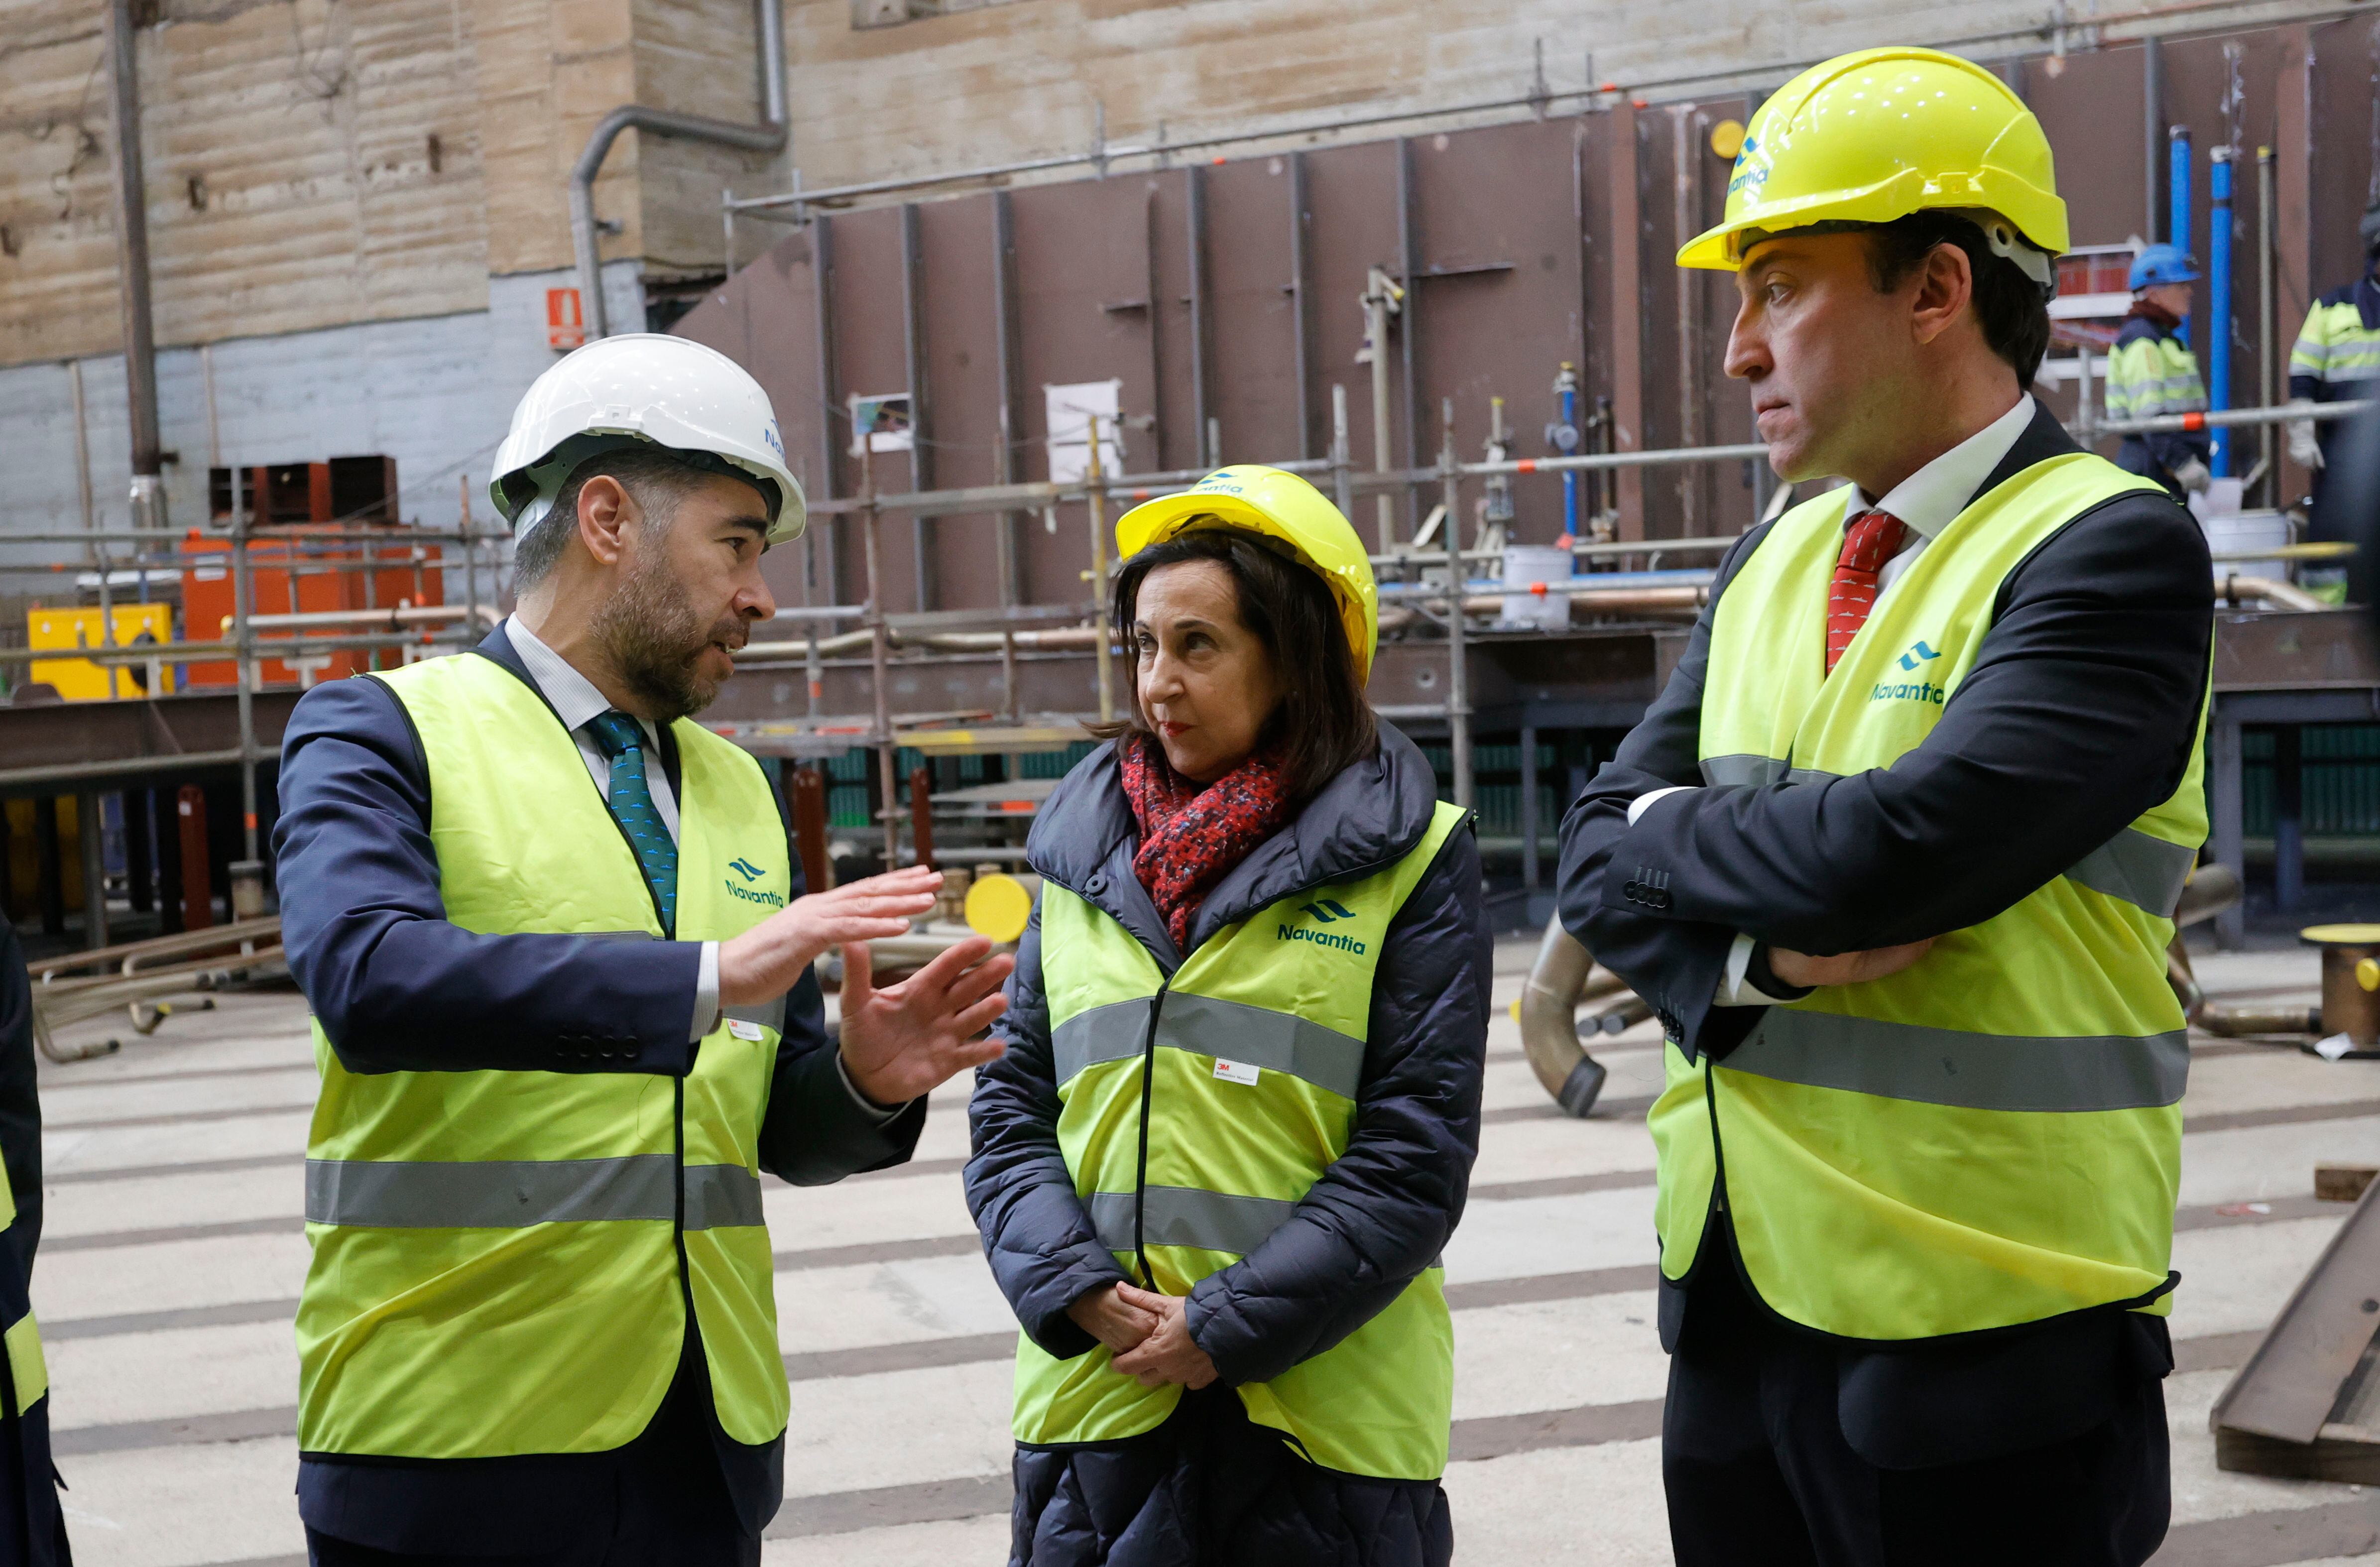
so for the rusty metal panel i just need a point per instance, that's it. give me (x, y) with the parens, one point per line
(2091, 109)
(960, 351)
(1082, 271)
(1256, 357)
(2342, 165)
(1499, 282)
(1354, 195)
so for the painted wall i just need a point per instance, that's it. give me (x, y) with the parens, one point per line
(436, 393)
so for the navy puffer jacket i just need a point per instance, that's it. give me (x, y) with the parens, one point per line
(1381, 1213)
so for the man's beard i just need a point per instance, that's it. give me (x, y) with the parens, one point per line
(655, 639)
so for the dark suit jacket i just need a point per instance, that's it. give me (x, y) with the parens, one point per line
(398, 988)
(2080, 712)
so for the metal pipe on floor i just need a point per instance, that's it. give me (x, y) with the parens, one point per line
(1563, 976)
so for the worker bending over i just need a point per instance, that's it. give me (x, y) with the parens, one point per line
(1894, 856)
(2337, 355)
(2152, 373)
(559, 958)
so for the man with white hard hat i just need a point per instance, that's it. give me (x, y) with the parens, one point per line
(559, 959)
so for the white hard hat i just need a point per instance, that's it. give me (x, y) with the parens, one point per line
(644, 388)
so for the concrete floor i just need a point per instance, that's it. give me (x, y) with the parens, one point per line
(174, 1251)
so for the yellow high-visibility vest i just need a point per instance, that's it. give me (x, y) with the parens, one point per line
(1244, 1069)
(502, 1260)
(1992, 1135)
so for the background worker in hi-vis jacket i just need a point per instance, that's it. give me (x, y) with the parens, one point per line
(2336, 357)
(559, 959)
(1893, 855)
(2152, 372)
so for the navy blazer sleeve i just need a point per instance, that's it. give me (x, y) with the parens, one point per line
(2080, 712)
(1675, 965)
(20, 1099)
(1384, 1209)
(399, 989)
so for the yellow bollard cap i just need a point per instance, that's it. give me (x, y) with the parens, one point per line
(998, 907)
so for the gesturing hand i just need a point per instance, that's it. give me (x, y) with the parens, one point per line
(909, 1038)
(1107, 1318)
(1844, 968)
(1169, 1354)
(767, 961)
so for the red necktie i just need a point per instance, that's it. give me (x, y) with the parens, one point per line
(1868, 544)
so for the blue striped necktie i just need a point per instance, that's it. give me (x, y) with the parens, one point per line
(622, 739)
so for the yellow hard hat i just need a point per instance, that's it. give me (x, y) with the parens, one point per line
(1280, 506)
(1879, 134)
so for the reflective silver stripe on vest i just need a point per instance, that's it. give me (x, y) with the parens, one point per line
(1722, 772)
(1253, 1036)
(1256, 1036)
(1113, 1032)
(720, 1195)
(1185, 1216)
(1909, 1061)
(2140, 869)
(491, 1195)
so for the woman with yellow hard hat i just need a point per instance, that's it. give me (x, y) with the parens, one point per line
(1234, 1122)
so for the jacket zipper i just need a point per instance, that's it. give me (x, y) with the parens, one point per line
(1140, 1173)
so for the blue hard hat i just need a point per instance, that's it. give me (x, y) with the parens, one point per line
(2163, 264)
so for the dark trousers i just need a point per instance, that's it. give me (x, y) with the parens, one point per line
(1758, 1470)
(650, 1527)
(661, 1501)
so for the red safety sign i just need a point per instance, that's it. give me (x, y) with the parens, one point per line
(566, 323)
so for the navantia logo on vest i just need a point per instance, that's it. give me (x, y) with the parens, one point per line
(1328, 913)
(751, 872)
(1918, 656)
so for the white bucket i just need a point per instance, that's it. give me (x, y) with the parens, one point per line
(2248, 531)
(1529, 570)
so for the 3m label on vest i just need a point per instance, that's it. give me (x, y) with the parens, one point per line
(744, 1030)
(1237, 1072)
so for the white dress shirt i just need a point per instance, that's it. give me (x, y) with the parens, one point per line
(577, 703)
(1927, 500)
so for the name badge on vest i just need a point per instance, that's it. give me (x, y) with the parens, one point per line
(1237, 1072)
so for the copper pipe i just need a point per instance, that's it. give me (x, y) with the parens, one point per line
(1563, 976)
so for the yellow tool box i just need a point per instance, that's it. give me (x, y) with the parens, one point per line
(80, 680)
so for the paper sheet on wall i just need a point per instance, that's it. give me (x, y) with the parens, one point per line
(1069, 410)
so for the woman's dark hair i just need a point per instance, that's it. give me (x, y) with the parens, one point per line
(1323, 724)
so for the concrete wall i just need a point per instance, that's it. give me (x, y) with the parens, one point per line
(1012, 81)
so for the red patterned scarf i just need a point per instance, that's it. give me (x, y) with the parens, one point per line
(1192, 835)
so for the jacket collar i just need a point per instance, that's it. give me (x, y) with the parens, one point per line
(497, 649)
(1369, 816)
(2043, 438)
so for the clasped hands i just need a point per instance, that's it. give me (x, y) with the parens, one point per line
(903, 1041)
(1149, 1333)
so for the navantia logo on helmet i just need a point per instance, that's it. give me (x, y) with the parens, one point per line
(1746, 172)
(768, 434)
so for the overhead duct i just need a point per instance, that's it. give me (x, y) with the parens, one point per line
(766, 137)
